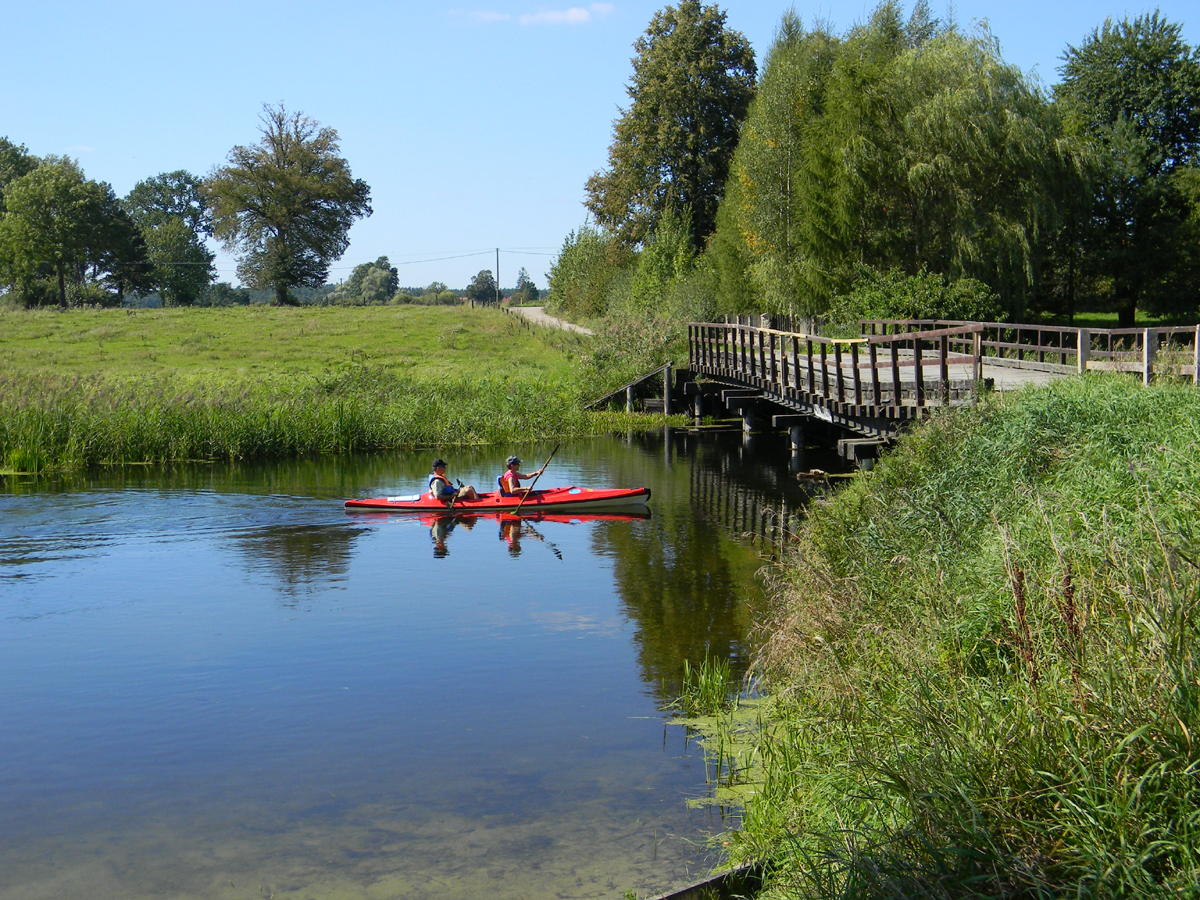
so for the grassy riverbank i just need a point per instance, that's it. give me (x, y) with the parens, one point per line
(90, 387)
(985, 661)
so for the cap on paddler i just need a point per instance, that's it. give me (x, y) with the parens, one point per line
(439, 463)
(513, 461)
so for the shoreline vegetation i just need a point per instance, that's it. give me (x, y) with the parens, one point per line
(983, 662)
(104, 387)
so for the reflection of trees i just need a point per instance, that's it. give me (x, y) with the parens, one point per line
(685, 585)
(300, 555)
(687, 577)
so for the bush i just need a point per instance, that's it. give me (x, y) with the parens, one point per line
(893, 295)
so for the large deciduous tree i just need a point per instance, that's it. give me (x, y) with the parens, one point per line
(482, 288)
(53, 225)
(286, 204)
(173, 216)
(1133, 87)
(693, 80)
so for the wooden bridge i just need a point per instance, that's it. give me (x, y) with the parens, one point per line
(896, 371)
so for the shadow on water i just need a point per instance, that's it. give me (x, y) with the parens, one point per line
(457, 708)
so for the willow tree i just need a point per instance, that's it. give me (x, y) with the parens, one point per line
(900, 146)
(693, 79)
(286, 204)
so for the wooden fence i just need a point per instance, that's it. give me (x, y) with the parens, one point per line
(876, 374)
(1169, 350)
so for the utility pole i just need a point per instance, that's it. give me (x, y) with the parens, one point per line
(497, 276)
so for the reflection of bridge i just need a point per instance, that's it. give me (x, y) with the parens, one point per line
(871, 386)
(761, 506)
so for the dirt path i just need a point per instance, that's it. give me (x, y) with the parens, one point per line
(537, 315)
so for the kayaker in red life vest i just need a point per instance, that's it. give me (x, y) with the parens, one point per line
(510, 481)
(440, 487)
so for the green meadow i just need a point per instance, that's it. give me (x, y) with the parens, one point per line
(88, 387)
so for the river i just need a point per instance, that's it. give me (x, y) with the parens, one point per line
(218, 683)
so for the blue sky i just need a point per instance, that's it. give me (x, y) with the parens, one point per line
(476, 124)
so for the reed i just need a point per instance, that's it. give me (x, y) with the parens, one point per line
(66, 423)
(985, 660)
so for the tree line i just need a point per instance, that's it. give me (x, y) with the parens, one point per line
(283, 207)
(901, 168)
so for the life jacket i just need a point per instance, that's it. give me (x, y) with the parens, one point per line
(507, 484)
(440, 491)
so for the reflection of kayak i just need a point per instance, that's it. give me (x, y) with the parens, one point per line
(630, 515)
(554, 500)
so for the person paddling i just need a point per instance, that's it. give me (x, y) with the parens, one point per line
(510, 481)
(440, 487)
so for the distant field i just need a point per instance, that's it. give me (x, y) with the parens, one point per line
(416, 341)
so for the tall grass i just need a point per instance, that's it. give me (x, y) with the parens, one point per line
(74, 422)
(986, 661)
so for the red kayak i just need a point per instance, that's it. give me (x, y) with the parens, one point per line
(554, 500)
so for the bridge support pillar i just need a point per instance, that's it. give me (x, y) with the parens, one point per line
(747, 421)
(796, 436)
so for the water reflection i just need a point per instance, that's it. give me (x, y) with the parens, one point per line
(303, 557)
(476, 710)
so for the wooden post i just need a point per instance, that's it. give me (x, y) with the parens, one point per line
(1149, 351)
(1084, 348)
(667, 389)
(841, 380)
(629, 399)
(944, 368)
(796, 361)
(897, 395)
(824, 372)
(856, 379)
(1196, 357)
(876, 399)
(977, 353)
(918, 371)
(812, 375)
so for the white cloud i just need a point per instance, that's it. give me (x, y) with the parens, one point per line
(576, 15)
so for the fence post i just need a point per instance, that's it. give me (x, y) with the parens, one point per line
(1085, 349)
(1149, 351)
(1196, 357)
(629, 399)
(667, 389)
(977, 353)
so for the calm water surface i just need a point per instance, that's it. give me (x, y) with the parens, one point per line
(217, 683)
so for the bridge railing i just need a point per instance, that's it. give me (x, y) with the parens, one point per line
(1171, 350)
(912, 368)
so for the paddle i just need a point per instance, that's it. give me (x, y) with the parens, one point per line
(535, 480)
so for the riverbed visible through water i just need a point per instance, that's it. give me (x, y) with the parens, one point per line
(218, 683)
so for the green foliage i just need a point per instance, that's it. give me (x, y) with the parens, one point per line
(692, 83)
(482, 288)
(985, 660)
(173, 217)
(15, 162)
(1132, 88)
(369, 283)
(224, 294)
(286, 204)
(666, 257)
(583, 275)
(62, 226)
(895, 146)
(526, 292)
(893, 295)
